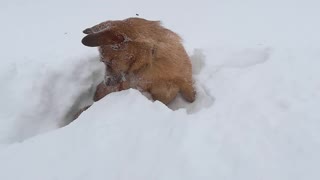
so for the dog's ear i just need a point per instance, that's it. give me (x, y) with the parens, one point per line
(88, 31)
(107, 37)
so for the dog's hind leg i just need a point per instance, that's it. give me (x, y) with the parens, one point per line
(187, 91)
(164, 92)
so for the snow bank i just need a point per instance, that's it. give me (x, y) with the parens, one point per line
(261, 126)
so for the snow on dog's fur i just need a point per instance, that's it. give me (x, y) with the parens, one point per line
(141, 54)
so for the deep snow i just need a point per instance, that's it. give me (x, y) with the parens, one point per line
(256, 66)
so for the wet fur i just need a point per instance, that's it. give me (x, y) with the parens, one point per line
(141, 54)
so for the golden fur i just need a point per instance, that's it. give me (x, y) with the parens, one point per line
(141, 54)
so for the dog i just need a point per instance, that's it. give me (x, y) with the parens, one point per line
(143, 55)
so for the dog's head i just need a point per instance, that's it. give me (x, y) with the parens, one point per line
(120, 49)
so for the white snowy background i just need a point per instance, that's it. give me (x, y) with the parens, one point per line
(257, 114)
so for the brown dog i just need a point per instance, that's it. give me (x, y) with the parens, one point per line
(141, 54)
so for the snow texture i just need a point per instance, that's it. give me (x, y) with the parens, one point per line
(256, 70)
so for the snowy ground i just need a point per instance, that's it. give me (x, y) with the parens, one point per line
(256, 66)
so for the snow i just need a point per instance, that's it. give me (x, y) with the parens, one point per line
(256, 67)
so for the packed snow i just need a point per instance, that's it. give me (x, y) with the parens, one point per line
(256, 116)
